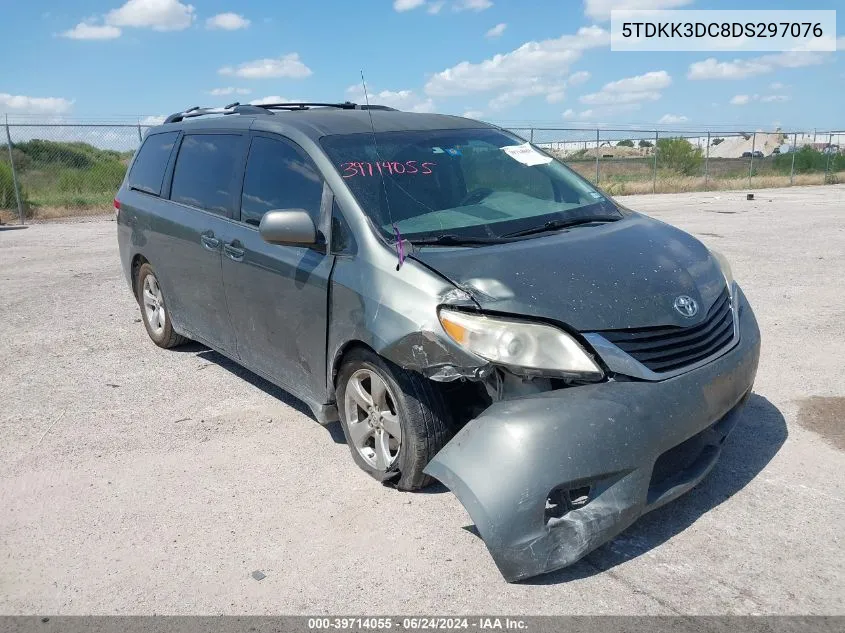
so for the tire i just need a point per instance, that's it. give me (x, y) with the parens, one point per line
(418, 408)
(161, 329)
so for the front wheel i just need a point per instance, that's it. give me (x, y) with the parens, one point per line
(394, 420)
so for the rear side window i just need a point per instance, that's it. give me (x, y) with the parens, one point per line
(207, 172)
(279, 176)
(148, 169)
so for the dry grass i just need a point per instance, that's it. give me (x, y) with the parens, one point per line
(687, 184)
(46, 214)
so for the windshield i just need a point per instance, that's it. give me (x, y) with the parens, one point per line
(465, 183)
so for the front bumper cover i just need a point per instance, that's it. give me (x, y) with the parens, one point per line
(504, 464)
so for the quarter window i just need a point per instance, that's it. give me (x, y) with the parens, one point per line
(279, 176)
(148, 169)
(206, 173)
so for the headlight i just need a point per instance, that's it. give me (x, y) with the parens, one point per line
(519, 344)
(726, 268)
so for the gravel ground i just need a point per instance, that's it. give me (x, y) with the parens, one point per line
(135, 480)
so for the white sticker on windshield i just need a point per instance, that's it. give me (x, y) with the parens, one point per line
(526, 155)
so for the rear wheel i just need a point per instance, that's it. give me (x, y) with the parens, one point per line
(154, 310)
(394, 420)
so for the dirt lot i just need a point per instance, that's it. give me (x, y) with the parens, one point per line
(135, 480)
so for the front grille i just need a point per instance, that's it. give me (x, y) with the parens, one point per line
(664, 349)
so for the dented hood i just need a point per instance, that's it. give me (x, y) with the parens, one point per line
(624, 274)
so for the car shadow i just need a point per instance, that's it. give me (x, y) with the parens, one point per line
(209, 355)
(756, 439)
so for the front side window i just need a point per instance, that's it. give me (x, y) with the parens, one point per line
(148, 169)
(465, 183)
(279, 176)
(207, 172)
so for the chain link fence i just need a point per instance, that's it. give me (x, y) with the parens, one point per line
(50, 170)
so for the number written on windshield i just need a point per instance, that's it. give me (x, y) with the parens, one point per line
(392, 168)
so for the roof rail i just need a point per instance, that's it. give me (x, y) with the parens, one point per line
(346, 105)
(267, 108)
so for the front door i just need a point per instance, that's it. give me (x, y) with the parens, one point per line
(278, 295)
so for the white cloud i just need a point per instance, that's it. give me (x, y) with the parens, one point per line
(584, 115)
(600, 9)
(741, 100)
(285, 66)
(576, 79)
(535, 68)
(471, 5)
(497, 30)
(160, 15)
(222, 92)
(406, 100)
(273, 99)
(473, 114)
(435, 6)
(668, 119)
(88, 31)
(610, 98)
(153, 120)
(655, 80)
(743, 68)
(774, 98)
(407, 5)
(776, 86)
(630, 90)
(35, 105)
(227, 22)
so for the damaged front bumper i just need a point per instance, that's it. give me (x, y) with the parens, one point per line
(548, 478)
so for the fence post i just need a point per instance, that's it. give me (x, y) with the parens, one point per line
(140, 138)
(598, 140)
(751, 164)
(654, 171)
(794, 150)
(531, 138)
(829, 150)
(14, 173)
(707, 163)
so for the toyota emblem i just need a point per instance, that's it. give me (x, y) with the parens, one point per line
(686, 306)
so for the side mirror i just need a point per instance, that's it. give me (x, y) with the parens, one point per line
(293, 227)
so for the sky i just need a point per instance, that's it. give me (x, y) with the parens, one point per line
(514, 62)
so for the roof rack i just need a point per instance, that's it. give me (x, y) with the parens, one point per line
(267, 108)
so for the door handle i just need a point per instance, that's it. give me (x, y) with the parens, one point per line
(209, 241)
(234, 251)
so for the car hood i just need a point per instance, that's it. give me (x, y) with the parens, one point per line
(624, 274)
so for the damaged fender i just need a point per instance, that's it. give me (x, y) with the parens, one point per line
(397, 317)
(549, 477)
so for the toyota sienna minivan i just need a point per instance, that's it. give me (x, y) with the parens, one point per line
(469, 308)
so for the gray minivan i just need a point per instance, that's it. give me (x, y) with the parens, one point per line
(470, 309)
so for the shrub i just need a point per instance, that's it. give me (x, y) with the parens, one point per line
(626, 143)
(679, 155)
(809, 160)
(716, 141)
(645, 143)
(7, 190)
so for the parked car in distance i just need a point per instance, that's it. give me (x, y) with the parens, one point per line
(746, 155)
(469, 308)
(758, 154)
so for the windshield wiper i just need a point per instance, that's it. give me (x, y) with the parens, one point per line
(449, 239)
(555, 225)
